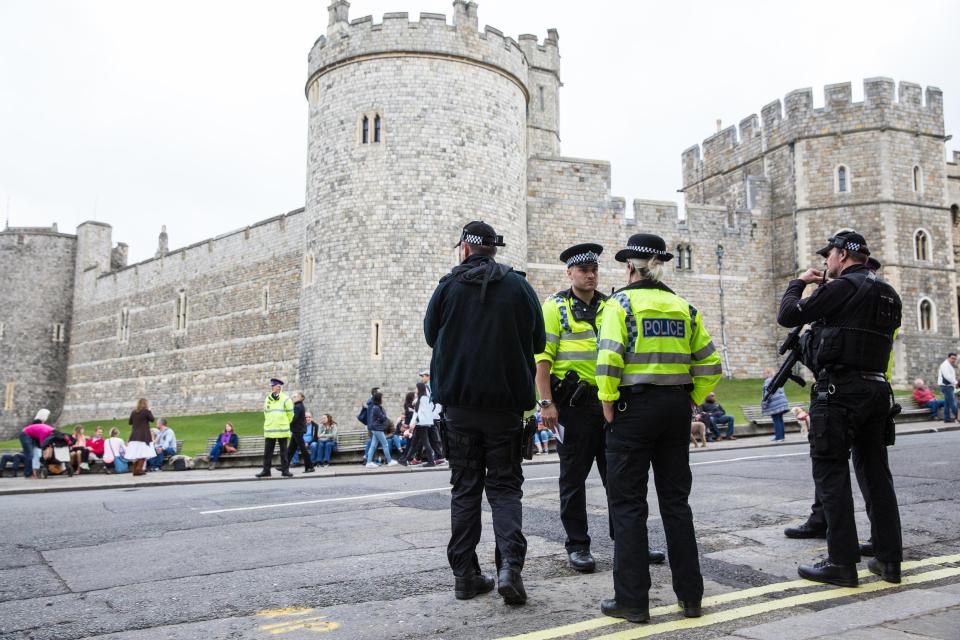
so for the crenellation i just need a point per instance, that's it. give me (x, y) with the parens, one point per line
(365, 20)
(878, 92)
(749, 128)
(798, 103)
(433, 19)
(838, 96)
(772, 115)
(934, 99)
(909, 94)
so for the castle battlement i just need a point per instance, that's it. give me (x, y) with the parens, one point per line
(545, 56)
(911, 110)
(432, 35)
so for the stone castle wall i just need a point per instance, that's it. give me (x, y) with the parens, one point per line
(242, 294)
(37, 293)
(384, 216)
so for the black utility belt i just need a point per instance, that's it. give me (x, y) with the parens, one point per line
(647, 387)
(838, 374)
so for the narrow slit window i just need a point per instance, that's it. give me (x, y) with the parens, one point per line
(123, 326)
(842, 179)
(376, 339)
(542, 99)
(376, 128)
(1, 331)
(365, 130)
(58, 332)
(309, 268)
(8, 396)
(182, 311)
(916, 179)
(687, 257)
(926, 315)
(265, 303)
(921, 243)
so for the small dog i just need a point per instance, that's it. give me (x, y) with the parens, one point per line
(803, 418)
(698, 429)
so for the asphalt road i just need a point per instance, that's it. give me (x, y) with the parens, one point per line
(364, 557)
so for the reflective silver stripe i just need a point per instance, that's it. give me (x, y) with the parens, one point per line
(580, 335)
(610, 345)
(577, 355)
(706, 370)
(703, 353)
(656, 378)
(656, 357)
(609, 370)
(552, 339)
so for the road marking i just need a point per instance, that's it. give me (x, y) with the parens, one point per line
(740, 459)
(319, 624)
(288, 611)
(775, 605)
(723, 598)
(367, 496)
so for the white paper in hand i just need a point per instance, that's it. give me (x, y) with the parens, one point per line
(559, 433)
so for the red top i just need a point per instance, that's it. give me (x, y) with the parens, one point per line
(95, 445)
(923, 396)
(38, 431)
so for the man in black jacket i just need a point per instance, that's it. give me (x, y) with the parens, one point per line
(485, 325)
(298, 428)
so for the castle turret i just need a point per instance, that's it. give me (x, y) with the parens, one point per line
(415, 128)
(543, 118)
(36, 300)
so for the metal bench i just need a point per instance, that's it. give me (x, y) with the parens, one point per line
(758, 425)
(249, 451)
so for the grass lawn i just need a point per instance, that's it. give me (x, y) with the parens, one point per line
(194, 430)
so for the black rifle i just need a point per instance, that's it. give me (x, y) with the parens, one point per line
(791, 344)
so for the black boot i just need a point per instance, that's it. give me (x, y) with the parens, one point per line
(263, 474)
(582, 561)
(690, 608)
(888, 571)
(805, 530)
(466, 588)
(511, 586)
(866, 548)
(610, 608)
(656, 557)
(829, 573)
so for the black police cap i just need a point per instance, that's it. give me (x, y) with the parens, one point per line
(480, 233)
(644, 245)
(849, 240)
(586, 253)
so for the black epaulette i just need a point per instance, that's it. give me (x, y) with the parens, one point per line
(693, 312)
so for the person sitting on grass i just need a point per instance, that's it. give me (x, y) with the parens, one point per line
(715, 412)
(227, 442)
(925, 398)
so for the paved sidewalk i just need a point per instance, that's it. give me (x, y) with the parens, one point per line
(96, 481)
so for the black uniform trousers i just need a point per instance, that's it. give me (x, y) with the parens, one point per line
(485, 455)
(854, 417)
(297, 444)
(268, 446)
(583, 442)
(651, 428)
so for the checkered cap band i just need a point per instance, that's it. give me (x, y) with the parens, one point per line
(656, 252)
(472, 239)
(582, 258)
(852, 246)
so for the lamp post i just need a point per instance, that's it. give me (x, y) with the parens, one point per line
(723, 317)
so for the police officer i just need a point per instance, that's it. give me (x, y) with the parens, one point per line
(655, 361)
(277, 415)
(566, 382)
(848, 348)
(484, 325)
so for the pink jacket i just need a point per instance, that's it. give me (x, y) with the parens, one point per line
(38, 431)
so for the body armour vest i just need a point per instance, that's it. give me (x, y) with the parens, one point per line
(860, 335)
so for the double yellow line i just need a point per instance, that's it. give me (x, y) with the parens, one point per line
(728, 615)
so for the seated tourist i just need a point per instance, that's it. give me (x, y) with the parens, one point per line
(79, 454)
(227, 442)
(16, 461)
(541, 439)
(95, 445)
(165, 444)
(113, 452)
(326, 439)
(925, 398)
(717, 416)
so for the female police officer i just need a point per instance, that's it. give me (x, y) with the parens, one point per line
(654, 359)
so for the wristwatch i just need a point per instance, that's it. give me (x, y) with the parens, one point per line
(544, 403)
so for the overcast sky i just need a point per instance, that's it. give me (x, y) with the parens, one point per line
(191, 113)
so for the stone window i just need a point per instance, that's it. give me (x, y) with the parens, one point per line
(955, 213)
(182, 311)
(922, 249)
(123, 326)
(542, 99)
(1, 331)
(365, 130)
(842, 179)
(309, 269)
(8, 396)
(59, 333)
(926, 316)
(371, 128)
(376, 340)
(917, 175)
(684, 257)
(376, 128)
(265, 306)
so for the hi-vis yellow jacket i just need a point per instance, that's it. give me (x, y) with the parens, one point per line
(277, 415)
(650, 335)
(571, 343)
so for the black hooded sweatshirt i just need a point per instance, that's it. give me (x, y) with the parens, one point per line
(485, 325)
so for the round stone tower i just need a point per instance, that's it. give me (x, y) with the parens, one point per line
(36, 302)
(415, 128)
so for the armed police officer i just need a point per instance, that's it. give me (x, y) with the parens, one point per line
(655, 361)
(848, 348)
(566, 382)
(484, 325)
